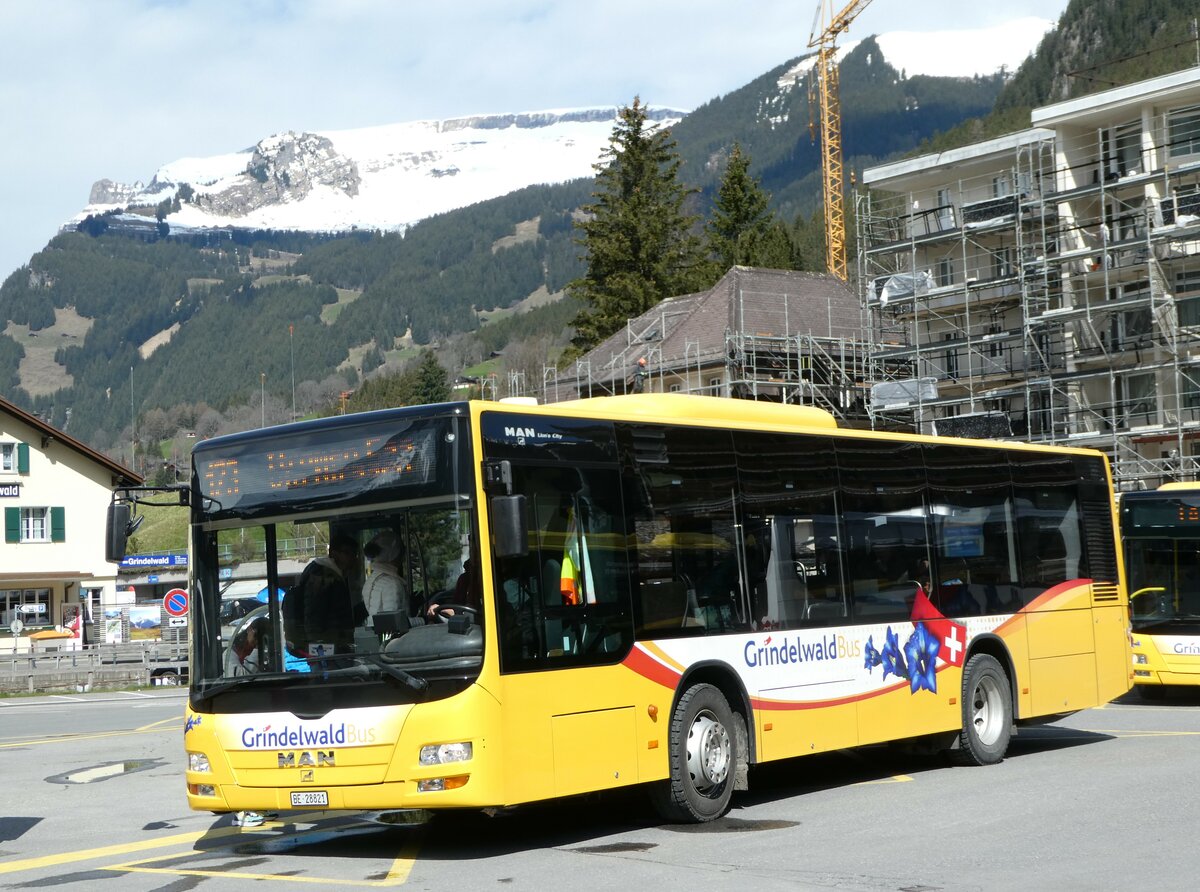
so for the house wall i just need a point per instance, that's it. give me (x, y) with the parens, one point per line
(58, 477)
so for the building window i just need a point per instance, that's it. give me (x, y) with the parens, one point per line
(1139, 400)
(1190, 396)
(1002, 263)
(945, 210)
(1183, 132)
(951, 358)
(1127, 145)
(35, 525)
(945, 272)
(1001, 186)
(714, 383)
(14, 457)
(1189, 312)
(675, 388)
(30, 606)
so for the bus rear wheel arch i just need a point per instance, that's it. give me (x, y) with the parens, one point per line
(987, 712)
(703, 755)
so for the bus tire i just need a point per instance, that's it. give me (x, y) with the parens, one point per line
(703, 757)
(987, 712)
(1152, 692)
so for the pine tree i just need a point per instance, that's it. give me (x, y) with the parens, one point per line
(639, 243)
(429, 382)
(740, 228)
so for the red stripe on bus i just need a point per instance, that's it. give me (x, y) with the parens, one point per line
(648, 667)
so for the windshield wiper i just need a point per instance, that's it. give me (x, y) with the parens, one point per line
(362, 669)
(240, 680)
(410, 681)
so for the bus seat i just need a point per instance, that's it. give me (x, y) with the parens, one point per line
(1051, 556)
(551, 582)
(820, 611)
(792, 602)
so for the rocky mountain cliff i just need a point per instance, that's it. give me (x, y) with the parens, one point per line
(374, 178)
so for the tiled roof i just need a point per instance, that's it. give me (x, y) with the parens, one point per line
(122, 474)
(691, 329)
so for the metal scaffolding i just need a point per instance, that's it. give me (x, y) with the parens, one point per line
(1058, 286)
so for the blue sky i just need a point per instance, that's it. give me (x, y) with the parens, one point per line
(94, 89)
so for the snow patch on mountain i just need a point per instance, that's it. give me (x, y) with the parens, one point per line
(951, 53)
(963, 53)
(382, 177)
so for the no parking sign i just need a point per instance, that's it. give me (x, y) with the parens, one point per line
(175, 602)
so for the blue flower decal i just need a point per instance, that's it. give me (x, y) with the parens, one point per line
(922, 651)
(916, 663)
(873, 658)
(192, 722)
(892, 658)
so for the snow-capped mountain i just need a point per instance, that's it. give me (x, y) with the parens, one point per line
(372, 178)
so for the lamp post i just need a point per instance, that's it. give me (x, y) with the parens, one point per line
(262, 397)
(292, 349)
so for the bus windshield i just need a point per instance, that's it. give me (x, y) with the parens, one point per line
(1162, 554)
(336, 560)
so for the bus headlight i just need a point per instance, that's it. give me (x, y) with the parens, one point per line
(442, 753)
(202, 789)
(1139, 659)
(198, 762)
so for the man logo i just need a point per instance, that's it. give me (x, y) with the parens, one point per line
(304, 759)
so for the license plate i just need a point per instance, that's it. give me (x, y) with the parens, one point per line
(310, 798)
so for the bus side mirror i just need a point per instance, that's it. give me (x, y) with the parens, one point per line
(510, 525)
(117, 530)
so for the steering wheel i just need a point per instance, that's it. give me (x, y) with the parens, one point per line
(457, 608)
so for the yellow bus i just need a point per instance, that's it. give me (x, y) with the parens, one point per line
(659, 590)
(1160, 531)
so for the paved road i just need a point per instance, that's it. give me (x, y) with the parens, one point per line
(91, 793)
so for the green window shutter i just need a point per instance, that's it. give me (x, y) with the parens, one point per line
(22, 458)
(12, 524)
(58, 524)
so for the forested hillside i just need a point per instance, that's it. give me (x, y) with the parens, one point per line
(368, 296)
(883, 113)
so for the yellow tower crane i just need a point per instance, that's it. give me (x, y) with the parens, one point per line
(826, 81)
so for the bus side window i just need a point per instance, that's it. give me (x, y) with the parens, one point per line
(788, 509)
(685, 534)
(567, 601)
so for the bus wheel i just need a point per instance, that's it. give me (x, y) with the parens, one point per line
(703, 755)
(1151, 691)
(987, 712)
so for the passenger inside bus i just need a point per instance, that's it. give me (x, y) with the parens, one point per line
(384, 590)
(319, 609)
(247, 652)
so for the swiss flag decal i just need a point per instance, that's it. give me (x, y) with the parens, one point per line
(952, 635)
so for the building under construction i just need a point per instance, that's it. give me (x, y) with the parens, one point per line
(778, 335)
(1046, 285)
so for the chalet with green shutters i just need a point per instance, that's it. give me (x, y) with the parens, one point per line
(54, 491)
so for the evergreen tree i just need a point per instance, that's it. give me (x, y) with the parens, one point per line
(639, 243)
(429, 382)
(740, 226)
